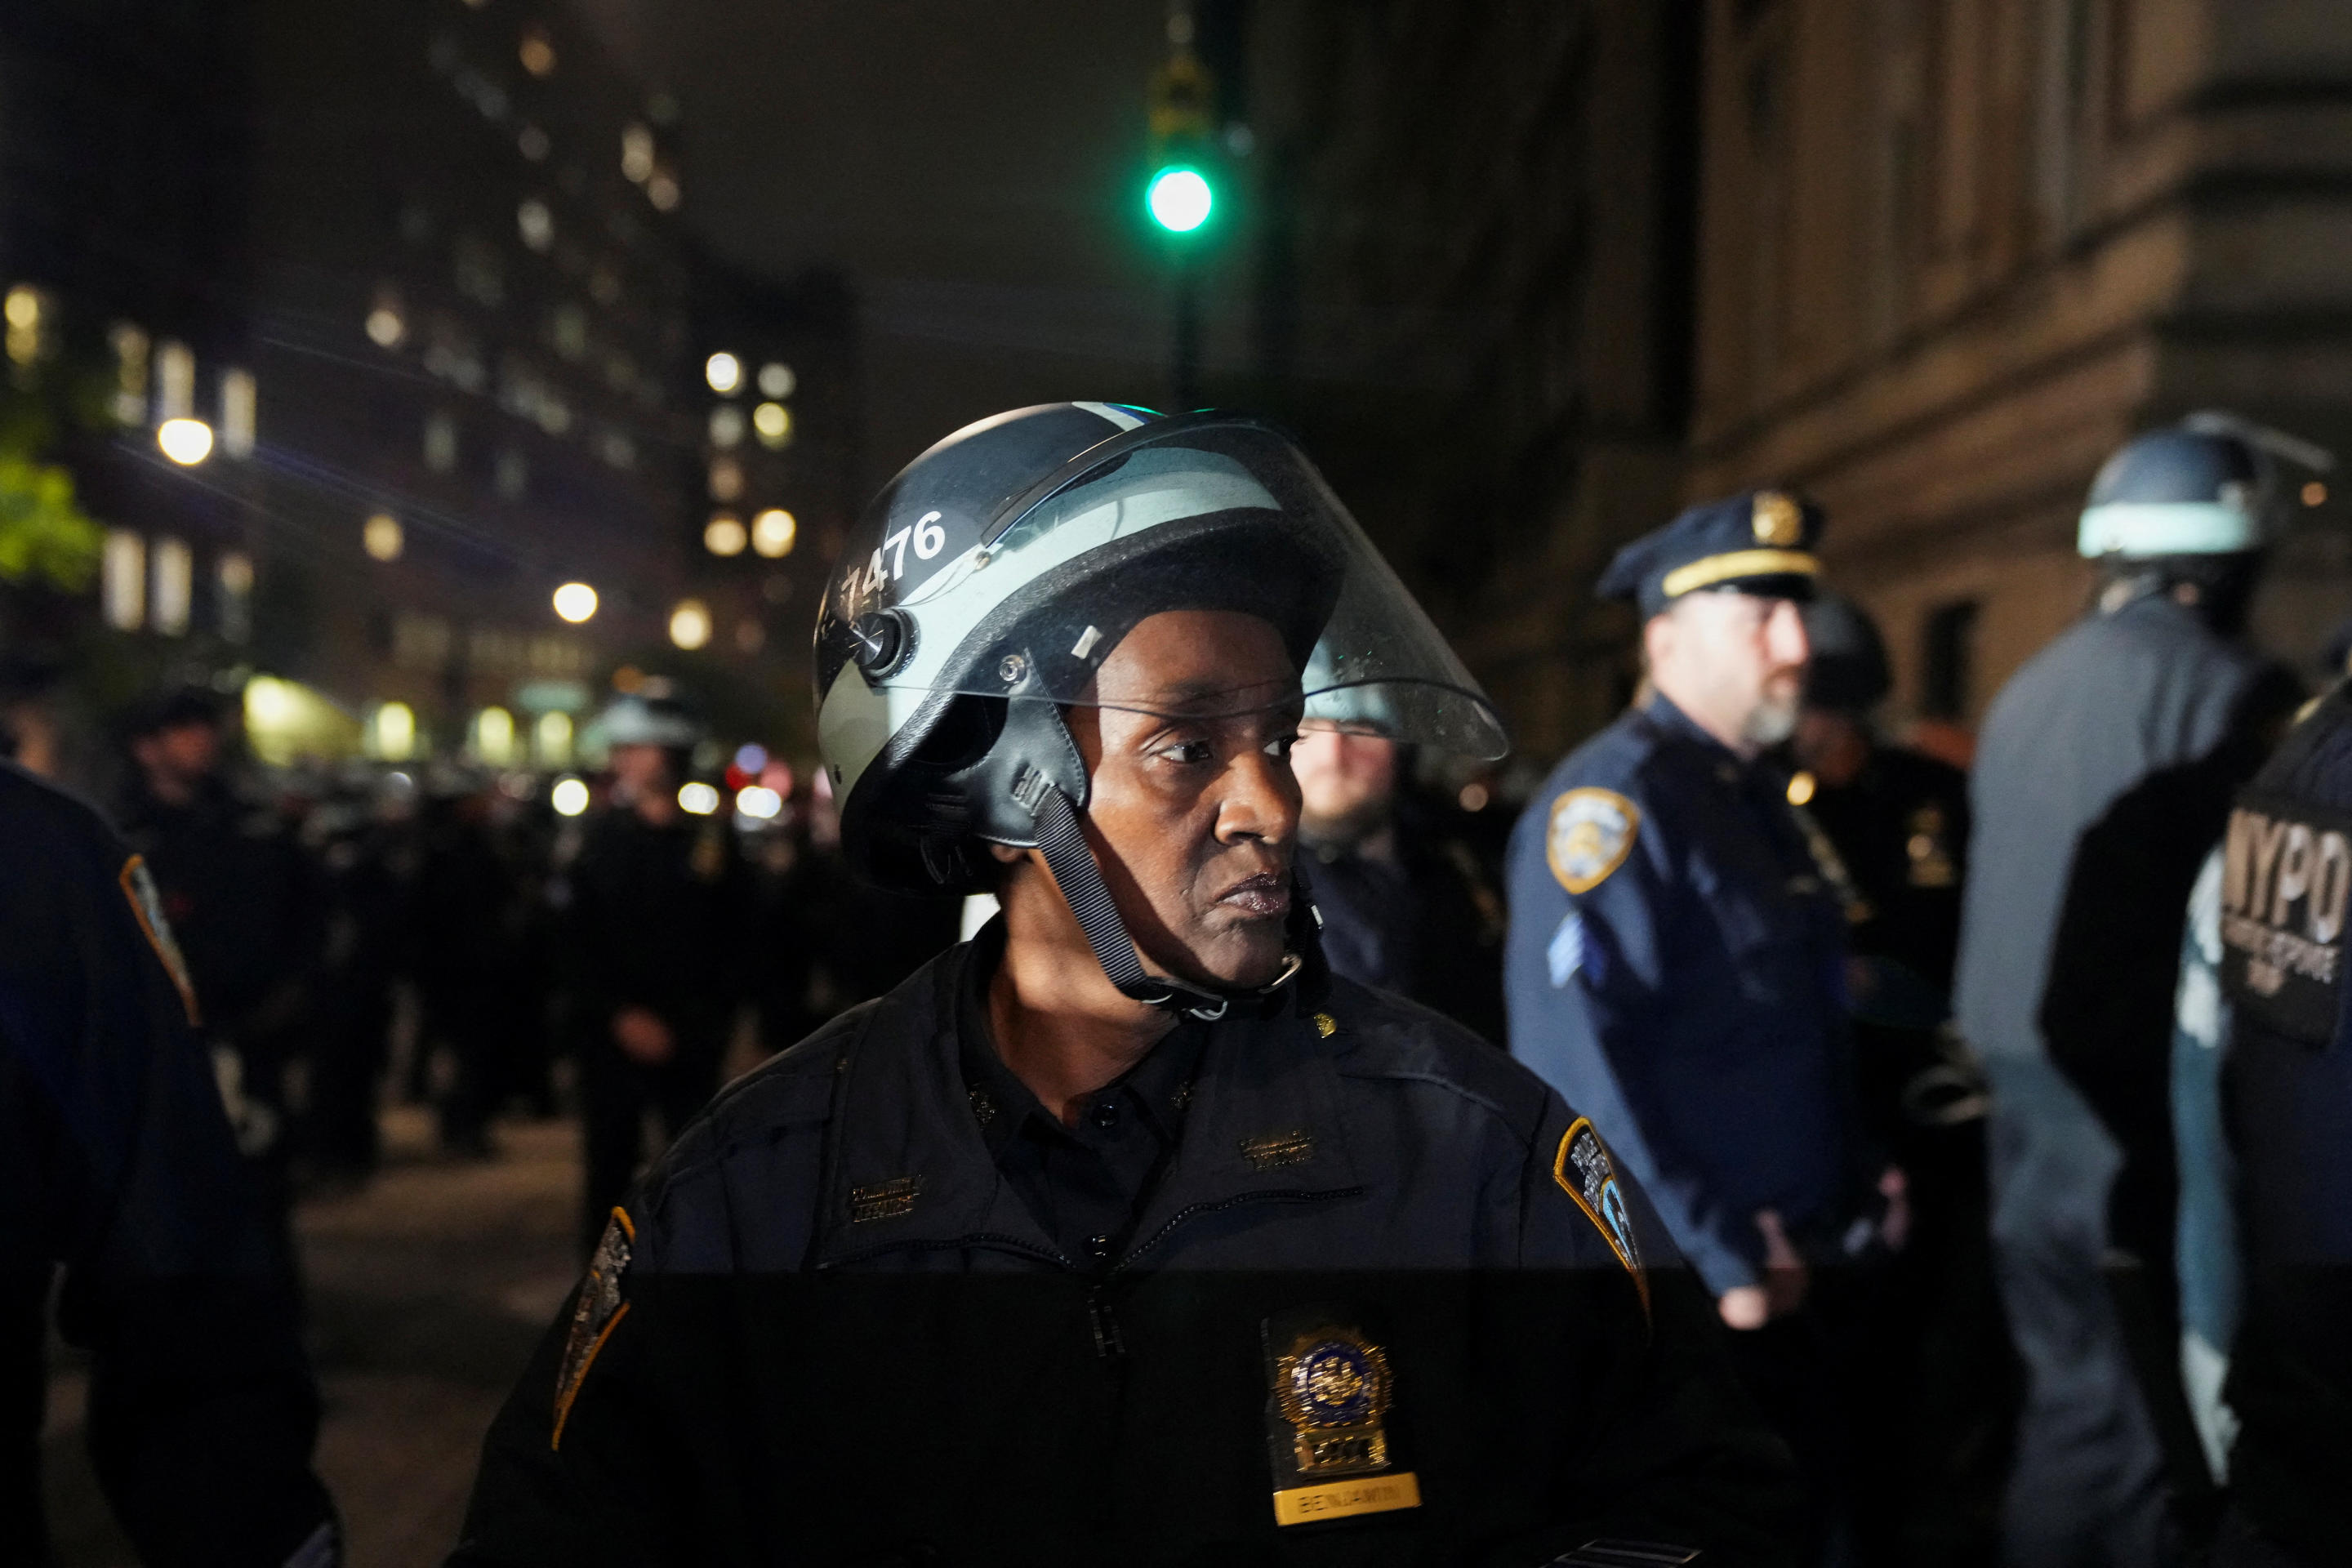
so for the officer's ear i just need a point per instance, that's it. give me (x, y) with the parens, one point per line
(1657, 640)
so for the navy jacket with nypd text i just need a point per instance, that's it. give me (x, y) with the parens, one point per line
(1675, 968)
(826, 1332)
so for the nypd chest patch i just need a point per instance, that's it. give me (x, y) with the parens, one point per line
(1589, 835)
(2287, 870)
(598, 1313)
(1586, 1173)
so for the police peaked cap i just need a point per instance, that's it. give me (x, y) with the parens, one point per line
(1758, 541)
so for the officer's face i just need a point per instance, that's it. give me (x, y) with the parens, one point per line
(1344, 779)
(1734, 662)
(1194, 807)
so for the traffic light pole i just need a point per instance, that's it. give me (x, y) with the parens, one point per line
(1183, 391)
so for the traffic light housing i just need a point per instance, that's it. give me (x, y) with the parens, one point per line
(1181, 193)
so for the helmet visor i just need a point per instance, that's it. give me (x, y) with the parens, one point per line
(1219, 514)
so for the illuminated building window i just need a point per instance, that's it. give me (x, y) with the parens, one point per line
(773, 532)
(27, 310)
(552, 739)
(175, 382)
(392, 732)
(724, 534)
(567, 329)
(726, 426)
(494, 737)
(240, 400)
(122, 580)
(537, 52)
(131, 351)
(773, 421)
(172, 586)
(535, 223)
(724, 371)
(383, 537)
(662, 190)
(233, 576)
(533, 143)
(777, 380)
(638, 154)
(726, 480)
(440, 443)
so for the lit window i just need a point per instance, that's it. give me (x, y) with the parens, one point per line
(690, 625)
(569, 798)
(552, 739)
(440, 443)
(494, 736)
(240, 398)
(391, 731)
(777, 380)
(575, 601)
(726, 426)
(536, 52)
(773, 532)
(724, 535)
(662, 190)
(697, 798)
(130, 346)
(773, 421)
(234, 575)
(26, 310)
(172, 591)
(387, 324)
(724, 371)
(637, 154)
(726, 480)
(535, 223)
(122, 580)
(533, 143)
(175, 382)
(187, 442)
(383, 537)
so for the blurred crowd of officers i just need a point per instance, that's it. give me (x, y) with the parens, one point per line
(1891, 1049)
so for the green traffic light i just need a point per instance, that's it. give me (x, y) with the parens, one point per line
(1180, 199)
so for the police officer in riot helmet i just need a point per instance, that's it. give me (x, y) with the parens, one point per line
(1675, 965)
(2103, 772)
(651, 914)
(1126, 1232)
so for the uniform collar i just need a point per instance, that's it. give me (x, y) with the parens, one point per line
(908, 1166)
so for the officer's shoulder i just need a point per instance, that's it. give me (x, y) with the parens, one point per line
(791, 1091)
(42, 825)
(1379, 1037)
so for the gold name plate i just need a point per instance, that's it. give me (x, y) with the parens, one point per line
(1340, 1500)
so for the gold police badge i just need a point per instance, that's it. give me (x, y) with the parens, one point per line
(1327, 1424)
(1778, 520)
(1590, 833)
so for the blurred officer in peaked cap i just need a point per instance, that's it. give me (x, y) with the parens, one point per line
(653, 909)
(1127, 1233)
(117, 1171)
(2103, 774)
(1676, 955)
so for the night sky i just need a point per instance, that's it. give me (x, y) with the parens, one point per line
(974, 170)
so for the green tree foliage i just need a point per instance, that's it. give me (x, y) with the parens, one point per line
(44, 533)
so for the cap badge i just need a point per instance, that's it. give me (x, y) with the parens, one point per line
(1778, 520)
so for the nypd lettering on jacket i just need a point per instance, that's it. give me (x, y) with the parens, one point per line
(2286, 871)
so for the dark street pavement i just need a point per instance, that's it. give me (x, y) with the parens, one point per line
(427, 1293)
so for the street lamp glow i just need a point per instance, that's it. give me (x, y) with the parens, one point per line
(1180, 199)
(698, 799)
(570, 796)
(724, 371)
(689, 624)
(772, 533)
(187, 442)
(575, 601)
(757, 801)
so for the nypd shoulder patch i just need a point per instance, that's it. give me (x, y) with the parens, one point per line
(1590, 833)
(1585, 1172)
(597, 1313)
(147, 908)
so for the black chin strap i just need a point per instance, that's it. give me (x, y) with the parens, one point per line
(1064, 845)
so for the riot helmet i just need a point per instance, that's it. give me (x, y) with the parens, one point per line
(984, 587)
(651, 715)
(2208, 486)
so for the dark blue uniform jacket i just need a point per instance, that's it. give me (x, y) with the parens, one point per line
(116, 1164)
(839, 1335)
(1675, 968)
